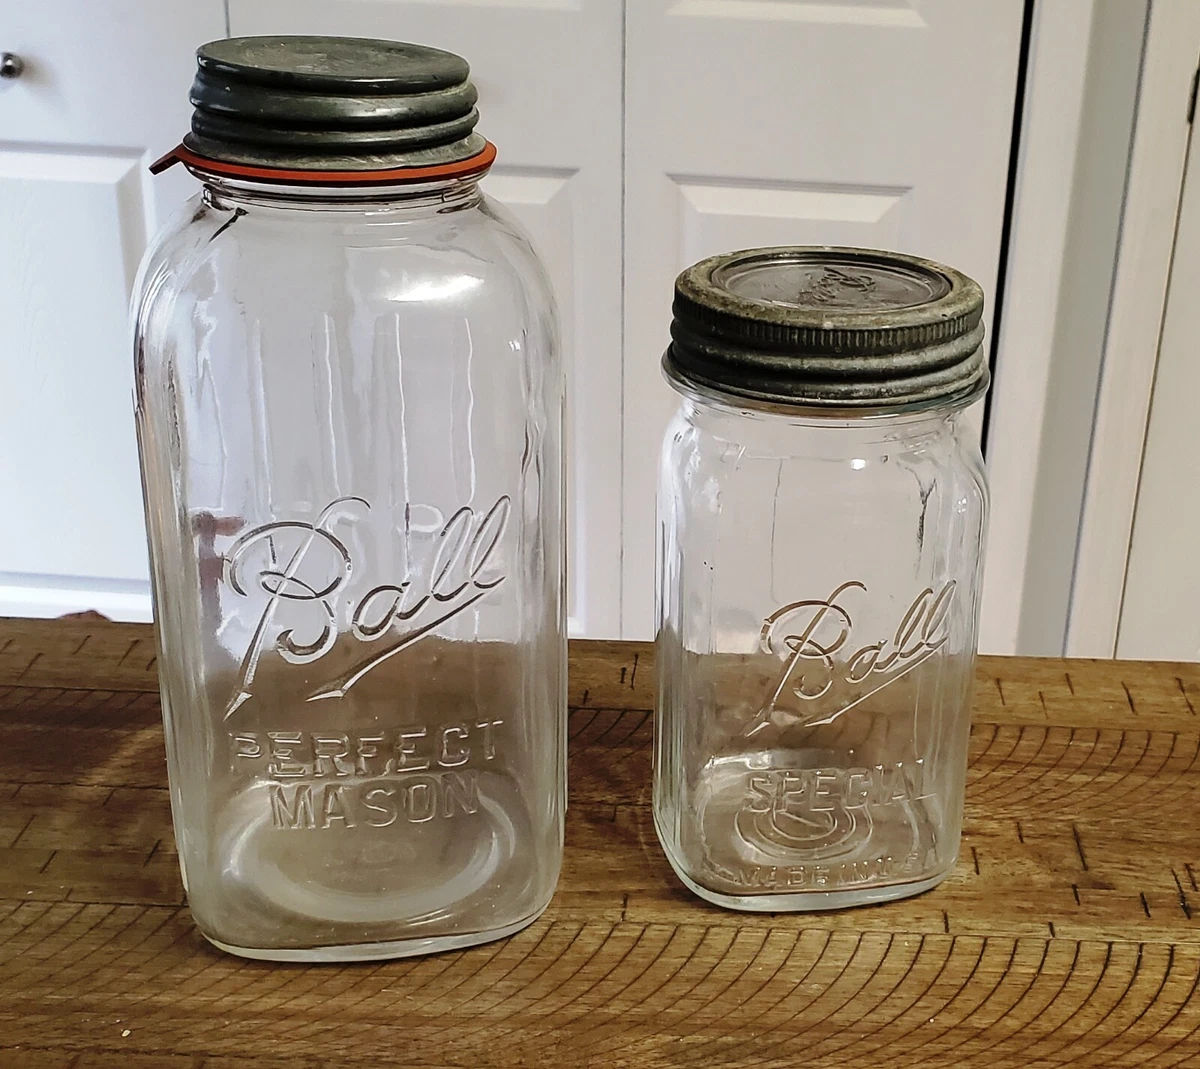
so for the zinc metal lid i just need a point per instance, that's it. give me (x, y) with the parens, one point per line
(326, 103)
(829, 327)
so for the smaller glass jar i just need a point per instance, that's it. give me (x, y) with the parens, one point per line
(821, 517)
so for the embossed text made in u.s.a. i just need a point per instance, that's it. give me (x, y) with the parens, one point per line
(824, 875)
(308, 567)
(321, 780)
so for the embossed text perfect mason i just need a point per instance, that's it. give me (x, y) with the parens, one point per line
(821, 517)
(349, 413)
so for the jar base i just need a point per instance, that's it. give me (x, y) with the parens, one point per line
(394, 948)
(809, 901)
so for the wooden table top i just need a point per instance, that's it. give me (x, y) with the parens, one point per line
(1066, 936)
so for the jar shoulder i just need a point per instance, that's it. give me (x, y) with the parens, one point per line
(171, 255)
(706, 460)
(697, 439)
(263, 268)
(209, 244)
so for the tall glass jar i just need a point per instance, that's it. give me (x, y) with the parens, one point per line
(821, 515)
(349, 405)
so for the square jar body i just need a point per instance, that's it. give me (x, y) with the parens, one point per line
(818, 610)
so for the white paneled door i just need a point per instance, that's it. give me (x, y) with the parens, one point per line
(103, 91)
(549, 79)
(883, 123)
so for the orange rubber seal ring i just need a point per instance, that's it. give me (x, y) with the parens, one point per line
(459, 169)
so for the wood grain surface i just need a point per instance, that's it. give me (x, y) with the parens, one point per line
(1068, 936)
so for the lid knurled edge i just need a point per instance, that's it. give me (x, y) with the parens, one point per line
(907, 356)
(825, 339)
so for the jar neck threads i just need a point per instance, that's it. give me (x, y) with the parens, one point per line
(447, 193)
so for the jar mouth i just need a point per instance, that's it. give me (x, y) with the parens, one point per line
(837, 410)
(473, 166)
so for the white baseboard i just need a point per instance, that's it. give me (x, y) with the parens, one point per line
(50, 596)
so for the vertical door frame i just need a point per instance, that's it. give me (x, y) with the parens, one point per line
(1153, 193)
(1051, 119)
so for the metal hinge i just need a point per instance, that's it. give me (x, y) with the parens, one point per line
(1192, 99)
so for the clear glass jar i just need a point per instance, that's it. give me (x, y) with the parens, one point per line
(819, 568)
(349, 405)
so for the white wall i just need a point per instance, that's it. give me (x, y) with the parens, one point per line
(623, 180)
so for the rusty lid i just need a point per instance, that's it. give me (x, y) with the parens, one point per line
(828, 327)
(332, 104)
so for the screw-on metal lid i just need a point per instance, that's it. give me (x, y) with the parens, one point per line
(824, 327)
(330, 103)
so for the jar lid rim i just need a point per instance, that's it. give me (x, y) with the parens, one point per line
(832, 409)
